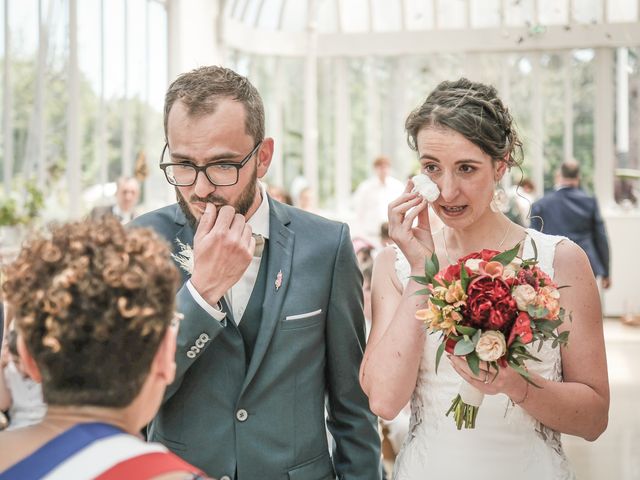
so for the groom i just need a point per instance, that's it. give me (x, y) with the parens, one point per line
(273, 327)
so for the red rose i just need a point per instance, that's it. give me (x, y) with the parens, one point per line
(449, 345)
(490, 305)
(521, 328)
(485, 255)
(451, 273)
(526, 276)
(544, 280)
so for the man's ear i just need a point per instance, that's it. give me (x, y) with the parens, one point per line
(164, 361)
(265, 154)
(28, 362)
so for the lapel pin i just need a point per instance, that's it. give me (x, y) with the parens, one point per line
(278, 282)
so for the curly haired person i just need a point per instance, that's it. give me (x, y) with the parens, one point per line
(94, 314)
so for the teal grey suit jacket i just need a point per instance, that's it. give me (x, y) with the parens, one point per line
(266, 420)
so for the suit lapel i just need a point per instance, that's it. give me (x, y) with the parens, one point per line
(281, 241)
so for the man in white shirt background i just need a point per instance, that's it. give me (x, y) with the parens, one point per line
(372, 197)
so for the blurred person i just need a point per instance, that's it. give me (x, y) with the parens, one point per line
(571, 212)
(93, 308)
(279, 194)
(364, 251)
(385, 239)
(19, 394)
(465, 139)
(624, 193)
(269, 333)
(523, 196)
(305, 200)
(127, 196)
(372, 197)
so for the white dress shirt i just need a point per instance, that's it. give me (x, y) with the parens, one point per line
(238, 296)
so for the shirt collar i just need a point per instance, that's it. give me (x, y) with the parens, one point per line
(259, 221)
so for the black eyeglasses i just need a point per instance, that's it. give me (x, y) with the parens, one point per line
(221, 174)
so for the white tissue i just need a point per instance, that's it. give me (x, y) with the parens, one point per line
(424, 186)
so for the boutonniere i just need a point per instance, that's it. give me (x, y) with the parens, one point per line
(184, 257)
(278, 282)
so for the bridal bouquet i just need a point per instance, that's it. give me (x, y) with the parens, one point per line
(489, 307)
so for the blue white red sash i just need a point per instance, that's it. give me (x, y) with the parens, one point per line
(96, 450)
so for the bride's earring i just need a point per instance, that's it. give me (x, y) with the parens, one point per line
(499, 200)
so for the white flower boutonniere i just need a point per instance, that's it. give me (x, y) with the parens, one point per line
(184, 257)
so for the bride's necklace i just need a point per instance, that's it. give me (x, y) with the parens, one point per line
(446, 251)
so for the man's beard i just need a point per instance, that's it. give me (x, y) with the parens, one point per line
(242, 206)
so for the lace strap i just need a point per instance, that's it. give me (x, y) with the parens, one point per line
(545, 246)
(403, 269)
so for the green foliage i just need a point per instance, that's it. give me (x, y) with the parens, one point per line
(16, 209)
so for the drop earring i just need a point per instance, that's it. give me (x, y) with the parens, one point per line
(499, 200)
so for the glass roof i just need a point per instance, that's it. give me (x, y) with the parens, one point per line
(366, 16)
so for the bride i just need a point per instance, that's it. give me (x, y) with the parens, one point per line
(466, 141)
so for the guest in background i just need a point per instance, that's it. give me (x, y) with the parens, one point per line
(571, 212)
(127, 196)
(19, 394)
(372, 197)
(279, 194)
(93, 308)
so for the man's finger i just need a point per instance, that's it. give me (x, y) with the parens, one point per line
(226, 214)
(207, 220)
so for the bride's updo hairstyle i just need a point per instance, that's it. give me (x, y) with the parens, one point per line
(473, 110)
(92, 302)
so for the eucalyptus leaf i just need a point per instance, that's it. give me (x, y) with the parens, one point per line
(463, 347)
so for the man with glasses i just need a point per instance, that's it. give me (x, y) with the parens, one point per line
(273, 325)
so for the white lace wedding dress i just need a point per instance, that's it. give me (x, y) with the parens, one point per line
(507, 442)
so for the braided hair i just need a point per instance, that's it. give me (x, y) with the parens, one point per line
(475, 111)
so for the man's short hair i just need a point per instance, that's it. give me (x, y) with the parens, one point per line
(125, 179)
(570, 169)
(201, 89)
(382, 161)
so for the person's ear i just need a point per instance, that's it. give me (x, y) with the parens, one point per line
(500, 170)
(28, 362)
(164, 361)
(265, 154)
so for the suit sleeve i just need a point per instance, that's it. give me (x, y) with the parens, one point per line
(354, 428)
(536, 217)
(197, 332)
(600, 239)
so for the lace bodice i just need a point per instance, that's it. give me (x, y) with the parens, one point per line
(507, 442)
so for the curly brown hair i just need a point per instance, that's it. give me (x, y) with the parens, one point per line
(92, 302)
(475, 111)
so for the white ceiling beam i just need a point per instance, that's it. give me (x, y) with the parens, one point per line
(261, 42)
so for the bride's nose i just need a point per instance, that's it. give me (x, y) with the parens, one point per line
(449, 187)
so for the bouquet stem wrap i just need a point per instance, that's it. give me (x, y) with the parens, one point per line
(465, 406)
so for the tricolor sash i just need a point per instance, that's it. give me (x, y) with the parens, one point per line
(96, 451)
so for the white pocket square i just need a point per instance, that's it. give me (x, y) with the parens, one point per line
(303, 315)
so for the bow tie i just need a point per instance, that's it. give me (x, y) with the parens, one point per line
(259, 245)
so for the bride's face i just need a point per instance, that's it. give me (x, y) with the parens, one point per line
(465, 175)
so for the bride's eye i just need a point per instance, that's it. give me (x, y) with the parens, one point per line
(467, 168)
(430, 168)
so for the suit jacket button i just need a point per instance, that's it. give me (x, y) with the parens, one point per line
(242, 415)
(225, 477)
